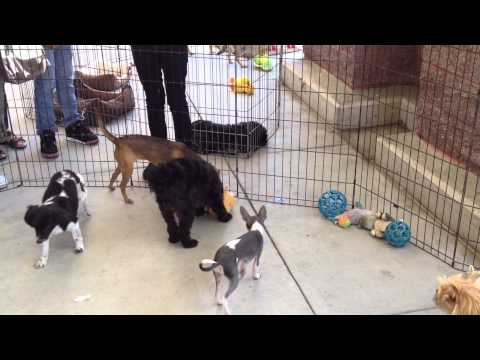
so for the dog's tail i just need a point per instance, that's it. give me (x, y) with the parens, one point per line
(208, 265)
(104, 130)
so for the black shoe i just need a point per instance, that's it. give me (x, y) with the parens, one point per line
(48, 145)
(79, 132)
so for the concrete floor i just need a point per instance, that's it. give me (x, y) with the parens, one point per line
(130, 268)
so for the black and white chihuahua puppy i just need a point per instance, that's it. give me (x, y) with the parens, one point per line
(58, 212)
(229, 264)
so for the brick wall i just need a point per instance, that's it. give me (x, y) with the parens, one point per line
(339, 60)
(367, 66)
(448, 79)
(448, 92)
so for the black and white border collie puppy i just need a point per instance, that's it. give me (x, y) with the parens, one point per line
(58, 212)
(229, 264)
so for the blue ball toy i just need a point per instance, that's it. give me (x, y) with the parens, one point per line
(332, 203)
(398, 233)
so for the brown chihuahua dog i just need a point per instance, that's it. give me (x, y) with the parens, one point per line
(130, 148)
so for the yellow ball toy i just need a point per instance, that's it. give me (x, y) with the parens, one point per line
(241, 85)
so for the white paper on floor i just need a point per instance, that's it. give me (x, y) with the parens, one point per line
(82, 298)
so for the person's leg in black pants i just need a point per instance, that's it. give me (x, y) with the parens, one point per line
(148, 63)
(5, 115)
(175, 63)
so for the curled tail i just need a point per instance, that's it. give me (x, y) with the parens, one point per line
(105, 132)
(208, 265)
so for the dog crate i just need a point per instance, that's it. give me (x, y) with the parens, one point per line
(392, 127)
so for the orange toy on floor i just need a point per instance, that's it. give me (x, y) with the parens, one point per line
(229, 201)
(241, 85)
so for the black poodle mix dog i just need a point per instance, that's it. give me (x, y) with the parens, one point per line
(184, 188)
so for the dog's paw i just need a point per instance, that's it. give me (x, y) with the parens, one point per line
(257, 275)
(173, 239)
(225, 217)
(111, 187)
(128, 201)
(190, 243)
(40, 264)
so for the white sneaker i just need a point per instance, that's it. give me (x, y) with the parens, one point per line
(3, 182)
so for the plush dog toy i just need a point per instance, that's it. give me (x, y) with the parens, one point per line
(380, 225)
(352, 217)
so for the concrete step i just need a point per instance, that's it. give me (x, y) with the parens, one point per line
(378, 124)
(337, 103)
(437, 182)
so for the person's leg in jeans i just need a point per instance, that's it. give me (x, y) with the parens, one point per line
(175, 70)
(43, 93)
(147, 60)
(60, 74)
(75, 128)
(44, 113)
(64, 76)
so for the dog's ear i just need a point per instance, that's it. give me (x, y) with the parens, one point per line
(150, 173)
(245, 215)
(262, 214)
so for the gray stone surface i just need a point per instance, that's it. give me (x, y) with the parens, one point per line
(129, 267)
(346, 271)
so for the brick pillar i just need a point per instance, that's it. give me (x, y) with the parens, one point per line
(368, 66)
(448, 92)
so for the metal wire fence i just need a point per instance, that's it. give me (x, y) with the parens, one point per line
(393, 127)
